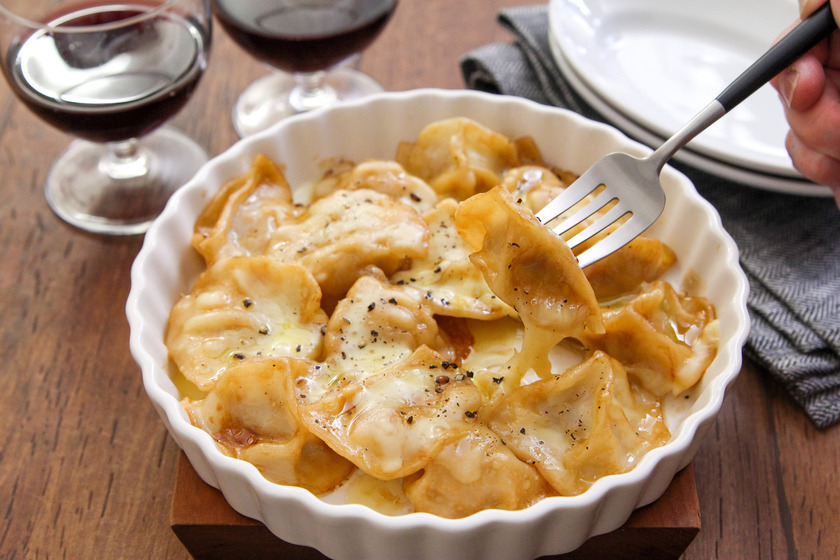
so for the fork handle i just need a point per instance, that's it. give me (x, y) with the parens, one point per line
(797, 42)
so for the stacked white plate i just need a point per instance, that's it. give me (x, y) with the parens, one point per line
(648, 66)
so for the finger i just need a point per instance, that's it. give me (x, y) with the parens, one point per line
(808, 7)
(818, 125)
(818, 167)
(802, 83)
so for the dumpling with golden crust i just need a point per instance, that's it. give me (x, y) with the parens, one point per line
(531, 269)
(242, 308)
(582, 425)
(392, 423)
(533, 186)
(387, 177)
(642, 260)
(458, 157)
(450, 282)
(475, 472)
(624, 272)
(375, 326)
(339, 236)
(665, 340)
(252, 414)
(242, 215)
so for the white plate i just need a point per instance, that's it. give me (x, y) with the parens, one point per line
(778, 183)
(658, 62)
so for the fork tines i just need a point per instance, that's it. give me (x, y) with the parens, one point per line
(572, 201)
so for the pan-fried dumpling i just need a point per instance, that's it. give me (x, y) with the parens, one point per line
(241, 308)
(387, 177)
(242, 215)
(375, 326)
(458, 157)
(533, 186)
(665, 340)
(450, 282)
(581, 425)
(642, 260)
(475, 472)
(532, 270)
(339, 236)
(467, 362)
(252, 414)
(392, 423)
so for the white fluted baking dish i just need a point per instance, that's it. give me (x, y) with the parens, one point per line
(167, 266)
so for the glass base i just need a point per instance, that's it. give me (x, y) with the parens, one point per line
(120, 193)
(268, 100)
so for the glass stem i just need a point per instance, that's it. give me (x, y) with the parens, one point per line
(311, 92)
(125, 160)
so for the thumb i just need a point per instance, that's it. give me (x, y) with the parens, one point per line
(808, 7)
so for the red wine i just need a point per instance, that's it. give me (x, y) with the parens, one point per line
(303, 35)
(109, 85)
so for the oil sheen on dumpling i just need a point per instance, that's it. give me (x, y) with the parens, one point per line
(392, 423)
(532, 270)
(252, 414)
(458, 157)
(475, 472)
(665, 340)
(340, 235)
(241, 308)
(581, 425)
(449, 280)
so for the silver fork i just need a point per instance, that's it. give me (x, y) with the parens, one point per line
(632, 184)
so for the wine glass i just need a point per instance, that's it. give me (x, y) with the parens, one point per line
(310, 44)
(111, 74)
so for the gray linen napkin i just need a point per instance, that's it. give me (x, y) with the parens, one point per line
(790, 246)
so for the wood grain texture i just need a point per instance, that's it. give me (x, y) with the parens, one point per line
(211, 530)
(86, 467)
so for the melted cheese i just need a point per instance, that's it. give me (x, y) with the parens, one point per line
(581, 425)
(243, 308)
(447, 278)
(386, 177)
(392, 423)
(533, 271)
(375, 326)
(336, 237)
(412, 339)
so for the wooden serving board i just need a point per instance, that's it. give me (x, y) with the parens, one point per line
(211, 530)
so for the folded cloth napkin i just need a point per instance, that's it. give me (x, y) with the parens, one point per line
(789, 245)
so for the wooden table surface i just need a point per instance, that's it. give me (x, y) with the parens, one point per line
(86, 466)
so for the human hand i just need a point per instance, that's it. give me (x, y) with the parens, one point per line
(810, 89)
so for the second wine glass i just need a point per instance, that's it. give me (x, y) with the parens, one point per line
(111, 73)
(311, 43)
